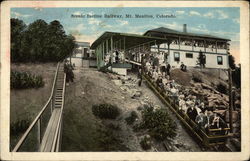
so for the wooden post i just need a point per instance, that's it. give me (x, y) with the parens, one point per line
(179, 42)
(204, 45)
(192, 44)
(230, 100)
(216, 46)
(51, 104)
(39, 133)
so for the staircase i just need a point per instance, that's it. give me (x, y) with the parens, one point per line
(50, 141)
(54, 125)
(59, 87)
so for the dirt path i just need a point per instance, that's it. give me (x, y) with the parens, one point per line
(82, 131)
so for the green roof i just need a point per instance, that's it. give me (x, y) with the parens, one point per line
(131, 40)
(165, 30)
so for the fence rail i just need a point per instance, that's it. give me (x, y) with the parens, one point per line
(39, 120)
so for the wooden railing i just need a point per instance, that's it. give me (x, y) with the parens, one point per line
(37, 121)
(56, 146)
(206, 139)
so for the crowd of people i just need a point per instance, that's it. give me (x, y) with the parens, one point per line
(116, 56)
(195, 108)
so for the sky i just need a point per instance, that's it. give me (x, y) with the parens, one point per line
(221, 22)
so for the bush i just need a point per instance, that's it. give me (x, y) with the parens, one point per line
(159, 123)
(131, 119)
(197, 79)
(221, 88)
(19, 127)
(22, 80)
(109, 141)
(145, 143)
(106, 111)
(114, 126)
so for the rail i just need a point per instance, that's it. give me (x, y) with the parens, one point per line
(38, 120)
(57, 137)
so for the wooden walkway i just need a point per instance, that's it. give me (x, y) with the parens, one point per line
(54, 122)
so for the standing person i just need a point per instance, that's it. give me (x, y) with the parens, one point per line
(168, 71)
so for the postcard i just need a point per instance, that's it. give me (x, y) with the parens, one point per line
(124, 80)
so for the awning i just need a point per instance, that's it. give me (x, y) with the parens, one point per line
(131, 40)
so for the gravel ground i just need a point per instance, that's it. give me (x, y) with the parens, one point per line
(81, 129)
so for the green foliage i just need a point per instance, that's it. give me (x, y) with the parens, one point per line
(106, 111)
(132, 117)
(108, 141)
(39, 41)
(17, 32)
(236, 76)
(145, 143)
(221, 88)
(19, 127)
(231, 61)
(197, 79)
(158, 123)
(22, 80)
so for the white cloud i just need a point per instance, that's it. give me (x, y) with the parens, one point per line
(180, 12)
(194, 13)
(38, 8)
(77, 13)
(209, 15)
(219, 14)
(122, 22)
(94, 21)
(17, 15)
(80, 27)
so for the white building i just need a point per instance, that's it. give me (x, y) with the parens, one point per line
(185, 47)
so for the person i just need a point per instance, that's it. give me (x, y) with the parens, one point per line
(201, 120)
(69, 72)
(192, 113)
(183, 67)
(116, 56)
(215, 121)
(168, 70)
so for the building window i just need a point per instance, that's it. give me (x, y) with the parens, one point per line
(219, 60)
(176, 56)
(189, 55)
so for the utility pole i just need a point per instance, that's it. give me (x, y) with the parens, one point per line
(230, 100)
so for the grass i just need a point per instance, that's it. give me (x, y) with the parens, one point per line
(25, 104)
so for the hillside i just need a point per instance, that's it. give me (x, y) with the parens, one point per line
(26, 103)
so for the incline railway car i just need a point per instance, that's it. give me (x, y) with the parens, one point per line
(209, 137)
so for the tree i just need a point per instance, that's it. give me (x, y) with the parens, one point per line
(35, 39)
(70, 46)
(17, 29)
(201, 60)
(40, 42)
(231, 61)
(236, 76)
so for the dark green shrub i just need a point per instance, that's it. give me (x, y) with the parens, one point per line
(197, 79)
(145, 143)
(131, 118)
(158, 123)
(19, 126)
(221, 88)
(106, 111)
(22, 80)
(109, 141)
(114, 126)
